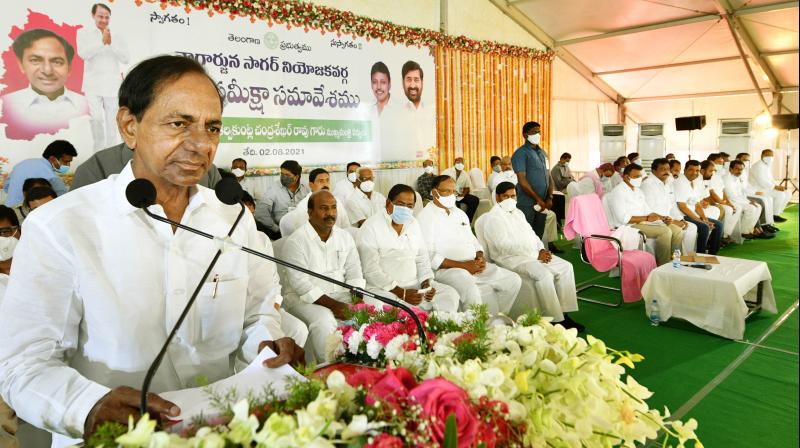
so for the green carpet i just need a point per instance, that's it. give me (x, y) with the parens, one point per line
(757, 404)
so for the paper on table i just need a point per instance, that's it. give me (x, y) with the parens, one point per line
(254, 378)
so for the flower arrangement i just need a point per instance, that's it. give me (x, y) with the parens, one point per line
(475, 384)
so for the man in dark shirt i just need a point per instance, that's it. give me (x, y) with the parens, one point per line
(425, 181)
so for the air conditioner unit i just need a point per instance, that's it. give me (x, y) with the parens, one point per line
(651, 144)
(734, 135)
(612, 142)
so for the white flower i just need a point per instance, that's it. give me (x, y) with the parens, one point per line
(206, 438)
(139, 435)
(395, 347)
(354, 342)
(374, 348)
(359, 426)
(334, 346)
(243, 426)
(492, 377)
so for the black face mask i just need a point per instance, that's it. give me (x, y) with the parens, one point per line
(287, 180)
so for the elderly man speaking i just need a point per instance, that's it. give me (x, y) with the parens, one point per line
(97, 284)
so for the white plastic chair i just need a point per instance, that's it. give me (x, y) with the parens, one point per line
(477, 179)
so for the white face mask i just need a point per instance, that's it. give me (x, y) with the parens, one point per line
(428, 169)
(746, 164)
(352, 177)
(636, 183)
(447, 201)
(636, 161)
(535, 139)
(7, 246)
(367, 186)
(460, 166)
(508, 205)
(768, 160)
(238, 172)
(726, 165)
(496, 168)
(566, 164)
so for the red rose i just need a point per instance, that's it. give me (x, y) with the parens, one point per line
(439, 399)
(384, 440)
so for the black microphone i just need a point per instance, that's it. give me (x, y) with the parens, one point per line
(141, 193)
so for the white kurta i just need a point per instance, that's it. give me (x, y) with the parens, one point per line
(343, 190)
(360, 207)
(660, 196)
(735, 189)
(691, 193)
(496, 179)
(512, 244)
(390, 260)
(762, 180)
(95, 287)
(299, 216)
(449, 236)
(731, 220)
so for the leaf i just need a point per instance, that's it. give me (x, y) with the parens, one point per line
(450, 433)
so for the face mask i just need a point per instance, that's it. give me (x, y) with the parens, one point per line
(509, 204)
(535, 139)
(496, 168)
(566, 164)
(287, 180)
(746, 164)
(447, 201)
(428, 169)
(726, 165)
(62, 169)
(402, 215)
(460, 166)
(352, 177)
(604, 179)
(636, 161)
(7, 245)
(367, 186)
(636, 182)
(768, 160)
(238, 172)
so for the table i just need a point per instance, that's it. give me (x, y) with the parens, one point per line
(717, 300)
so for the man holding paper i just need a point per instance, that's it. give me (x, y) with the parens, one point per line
(97, 285)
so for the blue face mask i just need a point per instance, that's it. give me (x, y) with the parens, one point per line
(402, 215)
(63, 169)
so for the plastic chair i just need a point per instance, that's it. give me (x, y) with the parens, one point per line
(587, 219)
(477, 179)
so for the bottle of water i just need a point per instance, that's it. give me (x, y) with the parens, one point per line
(655, 315)
(676, 258)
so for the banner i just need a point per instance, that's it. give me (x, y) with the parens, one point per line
(313, 96)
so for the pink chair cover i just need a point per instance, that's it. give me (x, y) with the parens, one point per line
(586, 217)
(598, 186)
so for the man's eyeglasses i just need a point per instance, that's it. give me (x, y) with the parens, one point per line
(8, 231)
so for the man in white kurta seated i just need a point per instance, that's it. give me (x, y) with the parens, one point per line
(365, 202)
(691, 198)
(763, 182)
(347, 186)
(457, 257)
(512, 244)
(596, 181)
(736, 191)
(711, 170)
(506, 174)
(628, 206)
(97, 284)
(394, 256)
(318, 180)
(660, 196)
(767, 219)
(319, 245)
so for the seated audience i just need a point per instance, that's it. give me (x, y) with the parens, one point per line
(22, 209)
(767, 218)
(762, 181)
(365, 202)
(660, 196)
(506, 174)
(55, 160)
(38, 196)
(9, 236)
(561, 174)
(252, 186)
(715, 184)
(281, 198)
(675, 168)
(394, 256)
(347, 186)
(736, 191)
(628, 206)
(425, 179)
(320, 246)
(634, 158)
(463, 186)
(494, 163)
(457, 257)
(690, 195)
(318, 180)
(596, 181)
(512, 244)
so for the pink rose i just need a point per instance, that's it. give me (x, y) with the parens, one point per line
(384, 440)
(390, 387)
(439, 399)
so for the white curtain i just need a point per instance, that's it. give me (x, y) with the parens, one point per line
(576, 130)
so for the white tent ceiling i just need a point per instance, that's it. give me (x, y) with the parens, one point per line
(645, 49)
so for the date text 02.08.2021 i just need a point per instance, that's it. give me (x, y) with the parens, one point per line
(273, 151)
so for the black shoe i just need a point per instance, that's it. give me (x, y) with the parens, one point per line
(552, 248)
(766, 236)
(779, 218)
(569, 323)
(770, 228)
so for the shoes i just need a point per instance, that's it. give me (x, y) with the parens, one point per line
(779, 218)
(569, 323)
(765, 236)
(770, 228)
(552, 248)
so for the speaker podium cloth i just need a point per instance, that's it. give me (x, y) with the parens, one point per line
(586, 217)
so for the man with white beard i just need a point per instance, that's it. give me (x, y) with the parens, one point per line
(762, 181)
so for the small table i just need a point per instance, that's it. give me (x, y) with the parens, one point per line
(717, 300)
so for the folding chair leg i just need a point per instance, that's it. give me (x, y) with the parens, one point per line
(601, 302)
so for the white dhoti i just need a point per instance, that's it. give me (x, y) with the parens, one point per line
(689, 243)
(294, 328)
(550, 228)
(446, 298)
(779, 200)
(767, 215)
(750, 215)
(319, 321)
(495, 286)
(730, 223)
(712, 212)
(548, 287)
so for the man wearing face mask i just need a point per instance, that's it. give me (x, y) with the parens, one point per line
(457, 256)
(347, 186)
(690, 196)
(512, 244)
(628, 206)
(762, 181)
(561, 174)
(766, 220)
(425, 180)
(597, 181)
(318, 180)
(281, 198)
(463, 186)
(535, 188)
(394, 256)
(634, 158)
(365, 202)
(9, 235)
(55, 160)
(735, 190)
(660, 196)
(730, 215)
(506, 174)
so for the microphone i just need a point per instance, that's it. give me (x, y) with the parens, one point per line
(141, 193)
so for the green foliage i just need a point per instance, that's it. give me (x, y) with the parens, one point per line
(531, 318)
(106, 435)
(450, 433)
(474, 344)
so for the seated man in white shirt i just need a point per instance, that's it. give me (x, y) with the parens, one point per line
(103, 311)
(628, 206)
(691, 197)
(318, 180)
(735, 190)
(457, 257)
(660, 196)
(512, 244)
(394, 256)
(347, 186)
(365, 202)
(463, 186)
(675, 168)
(319, 245)
(713, 175)
(506, 174)
(762, 181)
(596, 181)
(767, 220)
(9, 236)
